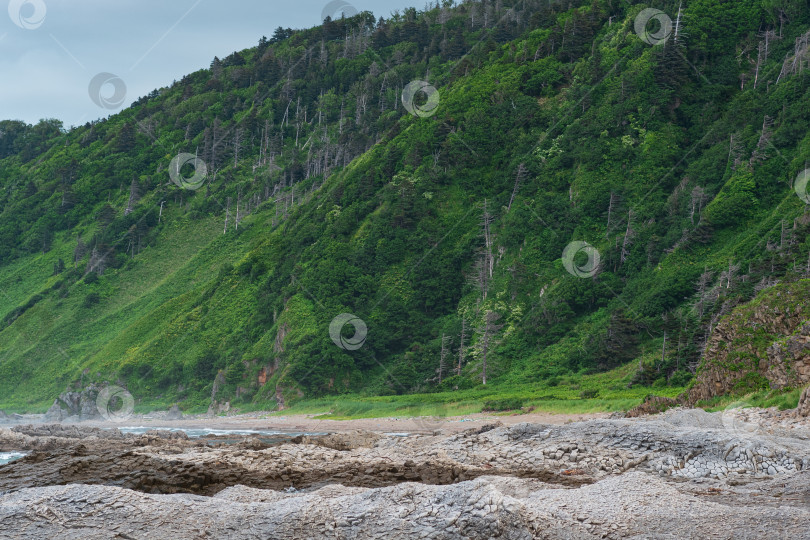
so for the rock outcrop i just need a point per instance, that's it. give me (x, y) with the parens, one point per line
(803, 410)
(81, 404)
(54, 413)
(350, 440)
(765, 343)
(174, 413)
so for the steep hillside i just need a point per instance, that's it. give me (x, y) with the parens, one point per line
(497, 193)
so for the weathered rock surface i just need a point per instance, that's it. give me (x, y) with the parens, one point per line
(174, 413)
(81, 404)
(54, 413)
(342, 441)
(683, 474)
(60, 438)
(803, 410)
(67, 432)
(634, 505)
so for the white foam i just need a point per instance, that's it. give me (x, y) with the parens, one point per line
(7, 457)
(204, 432)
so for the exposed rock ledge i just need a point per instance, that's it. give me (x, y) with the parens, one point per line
(684, 474)
(631, 506)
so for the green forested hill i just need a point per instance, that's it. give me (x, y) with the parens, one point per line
(451, 226)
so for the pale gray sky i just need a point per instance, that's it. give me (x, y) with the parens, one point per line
(50, 50)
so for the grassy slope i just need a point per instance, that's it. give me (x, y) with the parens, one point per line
(43, 346)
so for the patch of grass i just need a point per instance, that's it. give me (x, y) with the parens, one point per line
(577, 394)
(781, 399)
(498, 405)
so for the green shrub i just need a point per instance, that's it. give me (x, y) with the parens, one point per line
(680, 378)
(509, 404)
(91, 299)
(751, 382)
(456, 383)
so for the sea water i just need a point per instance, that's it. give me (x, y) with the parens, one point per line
(235, 435)
(8, 457)
(196, 433)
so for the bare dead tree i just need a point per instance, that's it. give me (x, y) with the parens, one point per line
(443, 356)
(796, 63)
(360, 111)
(730, 274)
(735, 152)
(629, 234)
(484, 263)
(97, 262)
(461, 349)
(479, 278)
(678, 24)
(79, 252)
(759, 153)
(216, 140)
(667, 318)
(131, 244)
(489, 331)
(134, 196)
(702, 289)
(761, 54)
(285, 118)
(612, 203)
(519, 178)
(674, 199)
(382, 93)
(342, 114)
(486, 222)
(238, 218)
(696, 203)
(238, 138)
(297, 119)
(324, 56)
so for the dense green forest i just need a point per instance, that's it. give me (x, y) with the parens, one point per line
(496, 192)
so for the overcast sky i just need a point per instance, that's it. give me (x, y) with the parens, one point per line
(50, 50)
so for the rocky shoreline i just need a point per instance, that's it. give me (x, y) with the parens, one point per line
(683, 474)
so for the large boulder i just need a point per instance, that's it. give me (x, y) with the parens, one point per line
(54, 414)
(174, 413)
(81, 404)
